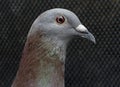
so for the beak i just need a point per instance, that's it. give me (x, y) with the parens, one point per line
(83, 32)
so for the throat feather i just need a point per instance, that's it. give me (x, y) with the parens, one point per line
(56, 47)
(42, 62)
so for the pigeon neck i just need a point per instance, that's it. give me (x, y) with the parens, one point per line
(55, 46)
(41, 64)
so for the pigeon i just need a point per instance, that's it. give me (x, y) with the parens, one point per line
(43, 60)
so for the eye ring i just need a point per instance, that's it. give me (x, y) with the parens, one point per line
(60, 19)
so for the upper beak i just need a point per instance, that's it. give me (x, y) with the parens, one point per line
(83, 32)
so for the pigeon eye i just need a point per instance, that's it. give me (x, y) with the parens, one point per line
(60, 19)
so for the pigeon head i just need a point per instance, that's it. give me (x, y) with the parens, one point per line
(62, 24)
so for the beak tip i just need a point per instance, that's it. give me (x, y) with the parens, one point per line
(91, 38)
(94, 41)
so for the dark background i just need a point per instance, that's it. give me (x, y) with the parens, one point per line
(87, 64)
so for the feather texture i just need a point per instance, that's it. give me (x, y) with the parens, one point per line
(37, 68)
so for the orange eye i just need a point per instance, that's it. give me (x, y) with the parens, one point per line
(60, 19)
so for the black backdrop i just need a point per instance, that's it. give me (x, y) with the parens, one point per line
(87, 64)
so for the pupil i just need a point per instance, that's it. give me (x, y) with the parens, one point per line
(60, 19)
